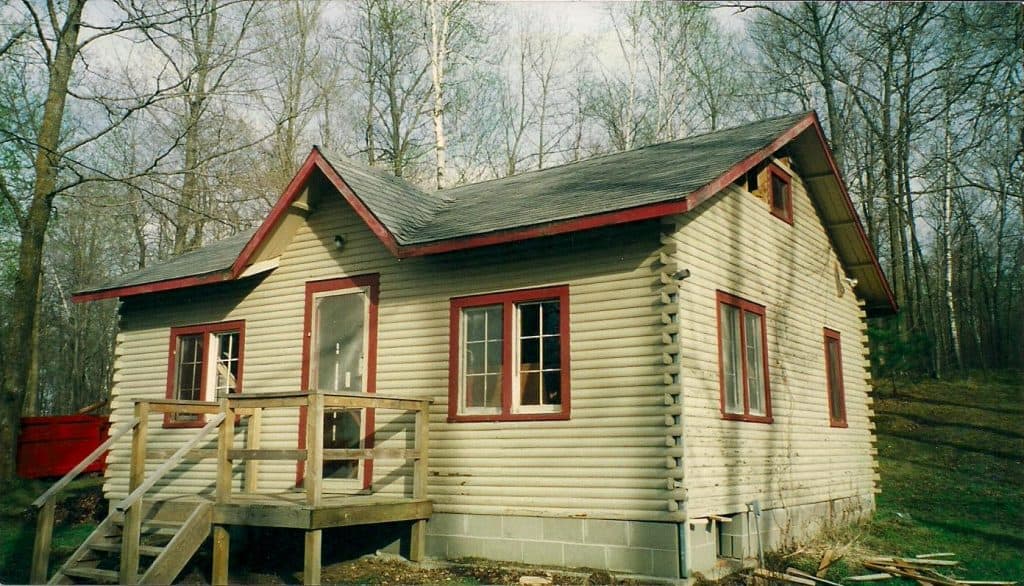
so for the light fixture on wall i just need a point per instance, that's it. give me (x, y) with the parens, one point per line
(339, 241)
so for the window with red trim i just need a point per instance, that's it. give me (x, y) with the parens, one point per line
(834, 379)
(780, 194)
(527, 330)
(205, 362)
(743, 360)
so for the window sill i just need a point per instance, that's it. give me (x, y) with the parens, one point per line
(559, 416)
(839, 424)
(183, 424)
(747, 418)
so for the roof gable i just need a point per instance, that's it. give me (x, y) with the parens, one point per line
(649, 182)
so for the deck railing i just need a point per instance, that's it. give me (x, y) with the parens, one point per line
(313, 404)
(223, 416)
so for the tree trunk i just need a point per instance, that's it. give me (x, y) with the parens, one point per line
(438, 52)
(19, 356)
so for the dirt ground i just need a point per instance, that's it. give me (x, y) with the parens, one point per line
(387, 570)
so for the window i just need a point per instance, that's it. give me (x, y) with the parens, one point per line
(205, 363)
(834, 379)
(526, 329)
(780, 195)
(743, 360)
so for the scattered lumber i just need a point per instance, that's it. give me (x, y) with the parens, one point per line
(869, 577)
(986, 583)
(925, 556)
(779, 577)
(827, 559)
(795, 572)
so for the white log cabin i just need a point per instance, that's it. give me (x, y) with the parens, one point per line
(647, 362)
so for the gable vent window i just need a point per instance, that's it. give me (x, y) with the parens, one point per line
(780, 196)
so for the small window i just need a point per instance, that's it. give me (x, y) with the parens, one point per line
(743, 360)
(527, 330)
(780, 195)
(205, 363)
(834, 379)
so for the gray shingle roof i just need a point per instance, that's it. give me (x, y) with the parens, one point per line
(648, 175)
(214, 257)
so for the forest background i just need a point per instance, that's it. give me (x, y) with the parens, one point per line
(134, 130)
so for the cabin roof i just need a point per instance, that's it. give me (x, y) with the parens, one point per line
(648, 182)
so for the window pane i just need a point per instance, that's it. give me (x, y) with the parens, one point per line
(551, 317)
(493, 392)
(552, 388)
(732, 371)
(227, 362)
(190, 368)
(339, 342)
(476, 324)
(529, 353)
(476, 356)
(494, 325)
(835, 381)
(529, 385)
(552, 353)
(529, 319)
(755, 365)
(780, 192)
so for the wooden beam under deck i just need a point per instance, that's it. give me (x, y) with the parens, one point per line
(281, 511)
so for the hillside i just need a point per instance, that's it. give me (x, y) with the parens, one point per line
(952, 466)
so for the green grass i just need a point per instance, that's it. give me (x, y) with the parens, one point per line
(952, 467)
(950, 455)
(18, 524)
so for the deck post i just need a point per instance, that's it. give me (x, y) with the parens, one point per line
(252, 442)
(418, 540)
(41, 550)
(221, 537)
(313, 483)
(129, 571)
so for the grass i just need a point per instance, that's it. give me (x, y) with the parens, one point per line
(952, 466)
(950, 455)
(75, 521)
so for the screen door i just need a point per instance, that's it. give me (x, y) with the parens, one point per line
(339, 364)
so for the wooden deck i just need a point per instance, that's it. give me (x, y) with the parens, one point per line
(308, 508)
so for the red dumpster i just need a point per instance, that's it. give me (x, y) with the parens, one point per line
(52, 446)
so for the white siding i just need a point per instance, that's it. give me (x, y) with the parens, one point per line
(607, 461)
(733, 244)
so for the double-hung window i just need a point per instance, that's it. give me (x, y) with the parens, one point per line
(509, 356)
(834, 379)
(205, 363)
(743, 360)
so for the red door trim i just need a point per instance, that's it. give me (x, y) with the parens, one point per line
(371, 282)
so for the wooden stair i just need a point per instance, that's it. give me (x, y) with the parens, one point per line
(166, 545)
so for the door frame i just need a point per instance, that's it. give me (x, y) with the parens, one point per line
(370, 283)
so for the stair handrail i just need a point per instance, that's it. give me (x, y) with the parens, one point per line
(170, 463)
(46, 503)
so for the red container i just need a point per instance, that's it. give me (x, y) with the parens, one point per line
(52, 446)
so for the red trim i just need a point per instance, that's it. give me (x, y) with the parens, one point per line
(314, 161)
(371, 282)
(206, 330)
(786, 212)
(853, 212)
(832, 336)
(745, 306)
(157, 287)
(508, 300)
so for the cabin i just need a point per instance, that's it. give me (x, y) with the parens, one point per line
(651, 362)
